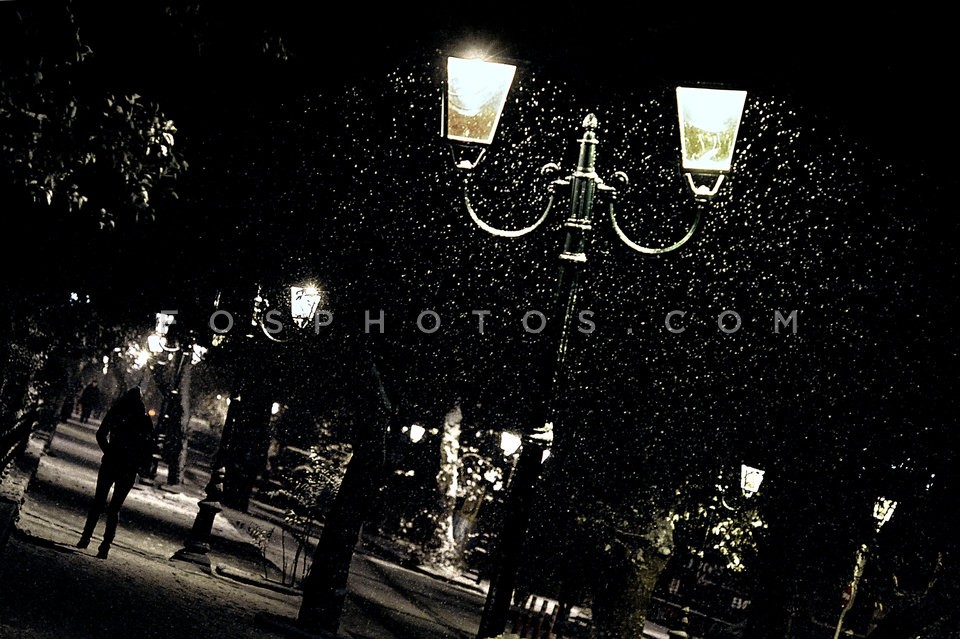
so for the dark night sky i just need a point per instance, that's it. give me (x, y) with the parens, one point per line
(874, 73)
(214, 66)
(870, 70)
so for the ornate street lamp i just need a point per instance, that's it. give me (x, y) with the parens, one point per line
(157, 341)
(476, 94)
(709, 122)
(305, 302)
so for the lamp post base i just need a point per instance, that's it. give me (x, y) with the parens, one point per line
(201, 559)
(196, 547)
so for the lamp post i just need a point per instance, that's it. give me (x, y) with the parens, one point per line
(304, 303)
(510, 443)
(473, 103)
(750, 480)
(882, 512)
(245, 438)
(170, 412)
(182, 350)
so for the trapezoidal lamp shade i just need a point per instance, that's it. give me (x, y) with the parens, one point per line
(709, 122)
(473, 103)
(304, 302)
(750, 480)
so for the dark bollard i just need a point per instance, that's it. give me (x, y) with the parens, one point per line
(197, 545)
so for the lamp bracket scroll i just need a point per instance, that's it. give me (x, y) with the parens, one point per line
(613, 193)
(545, 171)
(269, 335)
(261, 309)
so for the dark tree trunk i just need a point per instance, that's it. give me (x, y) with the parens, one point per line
(176, 439)
(937, 614)
(938, 609)
(627, 573)
(444, 550)
(776, 576)
(324, 588)
(244, 451)
(21, 363)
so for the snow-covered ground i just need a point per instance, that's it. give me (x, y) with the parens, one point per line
(50, 589)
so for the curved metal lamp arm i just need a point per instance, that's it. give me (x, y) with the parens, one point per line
(646, 250)
(651, 250)
(267, 333)
(545, 170)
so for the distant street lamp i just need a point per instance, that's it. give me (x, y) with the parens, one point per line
(882, 512)
(476, 95)
(509, 443)
(417, 432)
(750, 480)
(304, 303)
(307, 302)
(184, 349)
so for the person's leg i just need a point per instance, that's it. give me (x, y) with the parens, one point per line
(121, 489)
(104, 480)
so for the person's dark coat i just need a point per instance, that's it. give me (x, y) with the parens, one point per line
(126, 433)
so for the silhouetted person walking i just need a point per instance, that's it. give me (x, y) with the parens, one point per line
(126, 438)
(90, 400)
